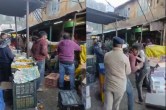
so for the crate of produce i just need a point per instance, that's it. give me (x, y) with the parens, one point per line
(51, 80)
(24, 95)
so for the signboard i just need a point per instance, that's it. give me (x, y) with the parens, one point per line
(69, 24)
(156, 26)
(140, 29)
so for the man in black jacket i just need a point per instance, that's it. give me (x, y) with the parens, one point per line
(6, 58)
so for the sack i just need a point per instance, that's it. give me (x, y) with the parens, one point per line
(155, 51)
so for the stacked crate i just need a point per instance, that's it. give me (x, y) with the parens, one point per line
(91, 69)
(24, 95)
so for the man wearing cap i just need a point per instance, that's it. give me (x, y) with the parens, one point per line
(40, 53)
(117, 66)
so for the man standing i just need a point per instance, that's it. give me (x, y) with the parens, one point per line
(117, 66)
(139, 66)
(40, 53)
(66, 50)
(6, 58)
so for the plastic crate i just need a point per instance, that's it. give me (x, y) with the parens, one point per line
(90, 61)
(69, 100)
(24, 95)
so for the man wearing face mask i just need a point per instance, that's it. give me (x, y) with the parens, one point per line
(99, 54)
(6, 58)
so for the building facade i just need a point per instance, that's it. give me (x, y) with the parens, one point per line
(55, 9)
(141, 12)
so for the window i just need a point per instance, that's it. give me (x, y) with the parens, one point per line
(53, 7)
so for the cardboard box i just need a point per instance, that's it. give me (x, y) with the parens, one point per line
(158, 84)
(51, 81)
(86, 91)
(157, 100)
(87, 102)
(5, 85)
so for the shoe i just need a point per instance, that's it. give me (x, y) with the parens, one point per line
(139, 102)
(40, 90)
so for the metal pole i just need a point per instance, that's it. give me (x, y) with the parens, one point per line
(16, 32)
(126, 36)
(27, 26)
(116, 29)
(102, 33)
(74, 23)
(161, 38)
(164, 35)
(141, 33)
(50, 37)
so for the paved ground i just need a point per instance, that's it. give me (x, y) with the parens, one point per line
(50, 97)
(97, 105)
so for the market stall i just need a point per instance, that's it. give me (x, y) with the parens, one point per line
(24, 75)
(103, 18)
(24, 69)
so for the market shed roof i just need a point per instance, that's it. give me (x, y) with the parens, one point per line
(18, 7)
(100, 17)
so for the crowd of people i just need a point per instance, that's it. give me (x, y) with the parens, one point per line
(38, 50)
(120, 61)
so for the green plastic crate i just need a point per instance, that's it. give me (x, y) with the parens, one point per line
(24, 95)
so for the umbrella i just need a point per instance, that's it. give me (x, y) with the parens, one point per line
(19, 8)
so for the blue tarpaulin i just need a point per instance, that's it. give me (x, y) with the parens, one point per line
(2, 103)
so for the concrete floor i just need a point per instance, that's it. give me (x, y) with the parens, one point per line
(98, 105)
(49, 97)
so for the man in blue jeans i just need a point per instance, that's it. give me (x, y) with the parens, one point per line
(66, 50)
(129, 87)
(40, 53)
(130, 95)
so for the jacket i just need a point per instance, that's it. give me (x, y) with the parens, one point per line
(117, 66)
(66, 50)
(6, 55)
(99, 53)
(40, 49)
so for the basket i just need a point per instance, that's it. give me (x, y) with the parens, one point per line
(24, 95)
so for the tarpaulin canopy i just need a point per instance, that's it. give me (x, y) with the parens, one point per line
(7, 30)
(100, 17)
(18, 7)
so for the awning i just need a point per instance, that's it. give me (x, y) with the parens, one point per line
(100, 17)
(18, 7)
(46, 24)
(7, 30)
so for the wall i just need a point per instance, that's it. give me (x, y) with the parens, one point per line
(55, 9)
(135, 15)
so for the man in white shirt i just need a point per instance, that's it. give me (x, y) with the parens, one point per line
(117, 66)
